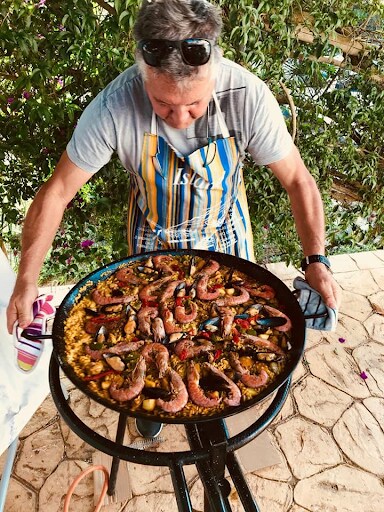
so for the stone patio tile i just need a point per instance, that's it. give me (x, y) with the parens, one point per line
(375, 327)
(283, 271)
(378, 276)
(355, 306)
(379, 253)
(360, 437)
(45, 414)
(360, 282)
(336, 367)
(370, 358)
(367, 260)
(299, 372)
(297, 508)
(270, 496)
(340, 489)
(349, 329)
(52, 494)
(313, 338)
(20, 498)
(320, 402)
(308, 448)
(41, 452)
(342, 263)
(279, 472)
(375, 406)
(152, 502)
(97, 417)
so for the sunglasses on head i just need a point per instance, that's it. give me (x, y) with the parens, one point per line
(194, 51)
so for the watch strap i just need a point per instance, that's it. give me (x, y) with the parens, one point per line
(315, 258)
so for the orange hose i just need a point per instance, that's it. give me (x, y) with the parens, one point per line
(80, 477)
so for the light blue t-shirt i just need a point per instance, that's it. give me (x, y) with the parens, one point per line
(118, 117)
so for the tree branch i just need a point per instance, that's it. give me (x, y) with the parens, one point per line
(107, 7)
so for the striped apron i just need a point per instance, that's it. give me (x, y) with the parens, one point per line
(189, 201)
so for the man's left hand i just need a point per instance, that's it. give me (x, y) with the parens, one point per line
(321, 279)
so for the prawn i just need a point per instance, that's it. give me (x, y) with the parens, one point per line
(196, 393)
(227, 317)
(187, 348)
(264, 291)
(275, 312)
(169, 322)
(179, 394)
(169, 290)
(126, 275)
(248, 379)
(132, 386)
(156, 352)
(158, 329)
(248, 339)
(183, 317)
(234, 300)
(162, 262)
(104, 299)
(143, 316)
(119, 348)
(147, 292)
(201, 289)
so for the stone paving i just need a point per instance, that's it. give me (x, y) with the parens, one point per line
(329, 434)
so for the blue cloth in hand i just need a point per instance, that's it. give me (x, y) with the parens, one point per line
(317, 315)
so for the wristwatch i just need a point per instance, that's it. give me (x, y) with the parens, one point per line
(315, 258)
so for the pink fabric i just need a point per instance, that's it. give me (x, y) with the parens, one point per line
(28, 351)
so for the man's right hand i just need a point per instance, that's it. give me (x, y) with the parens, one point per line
(20, 305)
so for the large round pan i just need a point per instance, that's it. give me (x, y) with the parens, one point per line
(284, 295)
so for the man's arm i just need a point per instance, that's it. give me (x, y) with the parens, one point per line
(41, 223)
(308, 212)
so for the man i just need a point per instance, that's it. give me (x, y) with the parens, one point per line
(181, 121)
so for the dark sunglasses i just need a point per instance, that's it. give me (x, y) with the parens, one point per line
(194, 51)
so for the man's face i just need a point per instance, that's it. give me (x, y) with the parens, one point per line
(178, 106)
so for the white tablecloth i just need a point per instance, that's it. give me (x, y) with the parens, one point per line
(20, 393)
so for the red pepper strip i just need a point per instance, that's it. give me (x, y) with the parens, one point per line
(217, 354)
(104, 319)
(236, 336)
(183, 355)
(99, 376)
(245, 324)
(205, 334)
(179, 301)
(150, 303)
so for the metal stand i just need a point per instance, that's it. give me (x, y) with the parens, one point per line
(212, 450)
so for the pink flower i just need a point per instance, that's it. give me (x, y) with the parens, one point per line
(10, 100)
(363, 375)
(342, 340)
(60, 82)
(26, 95)
(86, 243)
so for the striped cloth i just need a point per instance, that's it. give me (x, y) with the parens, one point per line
(28, 351)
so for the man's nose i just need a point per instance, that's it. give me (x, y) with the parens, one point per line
(180, 115)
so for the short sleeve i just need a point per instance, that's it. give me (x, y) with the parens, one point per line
(94, 138)
(270, 140)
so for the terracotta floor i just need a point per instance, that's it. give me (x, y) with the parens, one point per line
(329, 436)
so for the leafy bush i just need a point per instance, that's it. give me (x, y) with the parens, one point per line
(56, 56)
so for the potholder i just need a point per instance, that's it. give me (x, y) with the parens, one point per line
(317, 315)
(29, 351)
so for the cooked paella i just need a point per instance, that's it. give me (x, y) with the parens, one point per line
(178, 335)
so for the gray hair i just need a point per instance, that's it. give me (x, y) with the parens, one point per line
(177, 20)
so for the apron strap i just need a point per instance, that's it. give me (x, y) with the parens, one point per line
(222, 123)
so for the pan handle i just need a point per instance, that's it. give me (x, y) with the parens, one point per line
(34, 337)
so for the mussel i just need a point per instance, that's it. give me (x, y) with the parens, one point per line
(157, 393)
(115, 362)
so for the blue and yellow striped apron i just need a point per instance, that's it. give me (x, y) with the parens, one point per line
(189, 201)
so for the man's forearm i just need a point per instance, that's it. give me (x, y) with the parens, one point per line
(308, 212)
(41, 224)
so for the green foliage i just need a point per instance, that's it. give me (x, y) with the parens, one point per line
(56, 56)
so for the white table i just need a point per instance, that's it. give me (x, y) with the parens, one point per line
(20, 393)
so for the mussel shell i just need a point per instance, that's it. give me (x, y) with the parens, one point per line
(215, 322)
(91, 312)
(212, 382)
(157, 393)
(110, 309)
